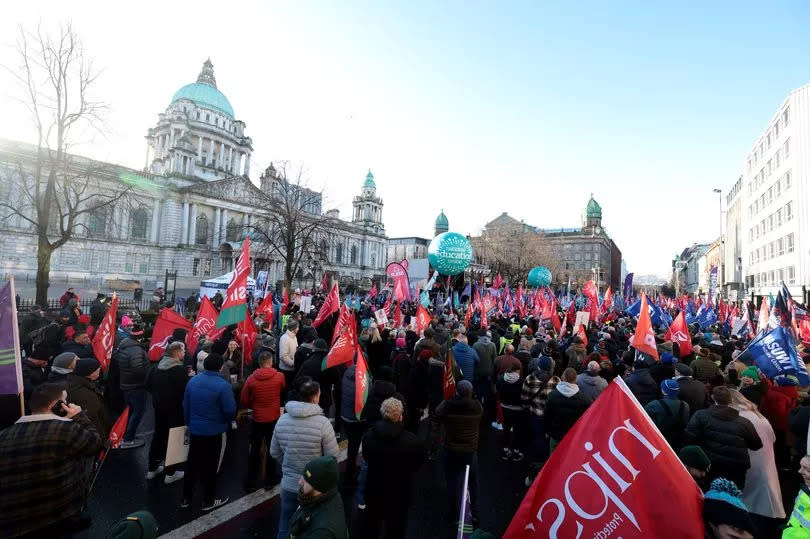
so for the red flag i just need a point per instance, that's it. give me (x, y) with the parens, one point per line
(362, 381)
(644, 338)
(166, 323)
(609, 473)
(572, 312)
(468, 315)
(343, 349)
(373, 292)
(246, 333)
(203, 325)
(399, 320)
(484, 320)
(343, 317)
(449, 377)
(678, 332)
(325, 281)
(564, 326)
(555, 318)
(234, 310)
(265, 308)
(607, 302)
(590, 290)
(118, 429)
(422, 318)
(104, 337)
(496, 284)
(285, 300)
(330, 305)
(582, 335)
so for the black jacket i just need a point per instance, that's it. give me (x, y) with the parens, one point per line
(510, 392)
(693, 393)
(393, 455)
(662, 371)
(643, 386)
(462, 419)
(562, 412)
(798, 420)
(133, 363)
(724, 435)
(83, 351)
(32, 377)
(380, 390)
(83, 392)
(167, 386)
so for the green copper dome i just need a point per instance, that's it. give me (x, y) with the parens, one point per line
(204, 92)
(369, 183)
(442, 222)
(593, 209)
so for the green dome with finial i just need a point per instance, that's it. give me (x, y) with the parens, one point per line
(441, 221)
(593, 209)
(369, 183)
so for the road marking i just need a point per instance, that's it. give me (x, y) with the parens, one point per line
(230, 510)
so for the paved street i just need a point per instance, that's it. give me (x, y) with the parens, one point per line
(122, 488)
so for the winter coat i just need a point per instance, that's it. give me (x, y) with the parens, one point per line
(393, 455)
(704, 369)
(418, 386)
(302, 354)
(591, 385)
(380, 390)
(467, 359)
(798, 421)
(776, 403)
(97, 312)
(461, 418)
(662, 371)
(287, 345)
(510, 385)
(303, 433)
(167, 383)
(693, 393)
(43, 460)
(83, 392)
(724, 436)
(671, 417)
(435, 373)
(376, 356)
(324, 518)
(643, 386)
(564, 407)
(504, 363)
(133, 363)
(535, 390)
(208, 404)
(81, 350)
(262, 393)
(487, 353)
(798, 526)
(576, 356)
(32, 377)
(762, 493)
(347, 385)
(401, 364)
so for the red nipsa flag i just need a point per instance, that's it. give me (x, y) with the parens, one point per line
(330, 305)
(613, 475)
(203, 325)
(644, 338)
(234, 310)
(343, 348)
(246, 333)
(678, 332)
(422, 318)
(166, 323)
(104, 339)
(342, 319)
(265, 308)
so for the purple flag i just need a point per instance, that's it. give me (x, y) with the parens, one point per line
(10, 373)
(628, 286)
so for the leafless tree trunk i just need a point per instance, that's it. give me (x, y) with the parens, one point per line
(55, 189)
(292, 228)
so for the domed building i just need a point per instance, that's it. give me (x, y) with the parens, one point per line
(442, 225)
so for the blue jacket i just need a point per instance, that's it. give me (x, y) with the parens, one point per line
(208, 404)
(466, 357)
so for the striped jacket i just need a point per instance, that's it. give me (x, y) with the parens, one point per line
(536, 388)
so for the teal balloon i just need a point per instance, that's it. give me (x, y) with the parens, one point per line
(539, 276)
(450, 253)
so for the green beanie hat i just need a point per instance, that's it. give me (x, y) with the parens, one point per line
(750, 372)
(138, 525)
(694, 457)
(321, 473)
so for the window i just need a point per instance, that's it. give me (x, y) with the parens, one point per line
(577, 256)
(756, 279)
(756, 255)
(128, 263)
(771, 278)
(207, 267)
(353, 254)
(790, 243)
(776, 129)
(779, 217)
(195, 267)
(97, 222)
(201, 237)
(791, 275)
(198, 114)
(769, 140)
(778, 188)
(770, 223)
(770, 194)
(143, 264)
(786, 116)
(788, 180)
(232, 230)
(787, 148)
(770, 250)
(789, 211)
(207, 118)
(778, 158)
(751, 235)
(587, 256)
(324, 254)
(339, 253)
(780, 246)
(780, 275)
(140, 221)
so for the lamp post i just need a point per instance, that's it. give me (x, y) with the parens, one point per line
(722, 268)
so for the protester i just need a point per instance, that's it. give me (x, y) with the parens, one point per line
(510, 385)
(84, 393)
(590, 383)
(504, 362)
(67, 296)
(287, 347)
(466, 357)
(353, 425)
(485, 372)
(576, 354)
(393, 456)
(262, 394)
(798, 526)
(670, 414)
(301, 434)
(641, 383)
(43, 456)
(35, 372)
(690, 391)
(167, 384)
(63, 364)
(564, 407)
(534, 394)
(320, 514)
(208, 409)
(726, 516)
(697, 463)
(132, 363)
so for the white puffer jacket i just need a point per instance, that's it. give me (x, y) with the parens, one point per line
(303, 433)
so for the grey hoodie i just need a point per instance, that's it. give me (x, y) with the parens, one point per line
(568, 389)
(591, 385)
(167, 362)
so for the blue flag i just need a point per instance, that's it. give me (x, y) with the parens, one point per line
(775, 354)
(706, 318)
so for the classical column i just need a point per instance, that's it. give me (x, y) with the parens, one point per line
(210, 154)
(199, 148)
(217, 221)
(184, 224)
(245, 225)
(192, 226)
(155, 219)
(223, 237)
(222, 155)
(247, 164)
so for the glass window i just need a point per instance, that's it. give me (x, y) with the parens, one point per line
(778, 188)
(787, 148)
(577, 256)
(97, 222)
(232, 230)
(128, 263)
(770, 194)
(587, 256)
(140, 220)
(791, 275)
(339, 253)
(786, 116)
(756, 255)
(788, 180)
(780, 246)
(769, 140)
(789, 211)
(776, 129)
(756, 279)
(770, 222)
(771, 278)
(353, 254)
(770, 169)
(195, 267)
(770, 250)
(780, 275)
(143, 264)
(201, 233)
(751, 235)
(790, 242)
(778, 158)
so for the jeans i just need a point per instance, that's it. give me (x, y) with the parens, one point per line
(261, 432)
(483, 389)
(360, 491)
(354, 431)
(136, 400)
(454, 466)
(289, 503)
(203, 461)
(539, 445)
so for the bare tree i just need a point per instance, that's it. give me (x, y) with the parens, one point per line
(291, 227)
(512, 250)
(52, 191)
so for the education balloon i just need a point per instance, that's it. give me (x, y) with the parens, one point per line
(450, 253)
(539, 276)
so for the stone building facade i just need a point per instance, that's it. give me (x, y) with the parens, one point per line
(190, 209)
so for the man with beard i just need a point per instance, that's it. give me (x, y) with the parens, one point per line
(320, 513)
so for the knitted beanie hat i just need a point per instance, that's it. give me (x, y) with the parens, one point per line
(722, 505)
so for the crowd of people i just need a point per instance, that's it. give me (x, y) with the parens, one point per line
(741, 435)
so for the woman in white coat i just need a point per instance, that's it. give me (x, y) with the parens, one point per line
(761, 494)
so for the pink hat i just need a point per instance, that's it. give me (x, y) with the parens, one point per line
(400, 342)
(126, 321)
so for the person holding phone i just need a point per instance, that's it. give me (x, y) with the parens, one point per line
(43, 475)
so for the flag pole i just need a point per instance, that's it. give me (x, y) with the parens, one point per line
(16, 333)
(461, 512)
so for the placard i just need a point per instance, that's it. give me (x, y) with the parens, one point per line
(583, 317)
(381, 317)
(177, 448)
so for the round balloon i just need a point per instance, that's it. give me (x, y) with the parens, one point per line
(539, 276)
(450, 253)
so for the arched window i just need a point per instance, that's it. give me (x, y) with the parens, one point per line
(324, 252)
(97, 222)
(232, 230)
(339, 253)
(140, 222)
(353, 255)
(202, 230)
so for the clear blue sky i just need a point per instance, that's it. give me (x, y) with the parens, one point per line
(474, 107)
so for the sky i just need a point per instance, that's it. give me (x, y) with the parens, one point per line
(472, 107)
